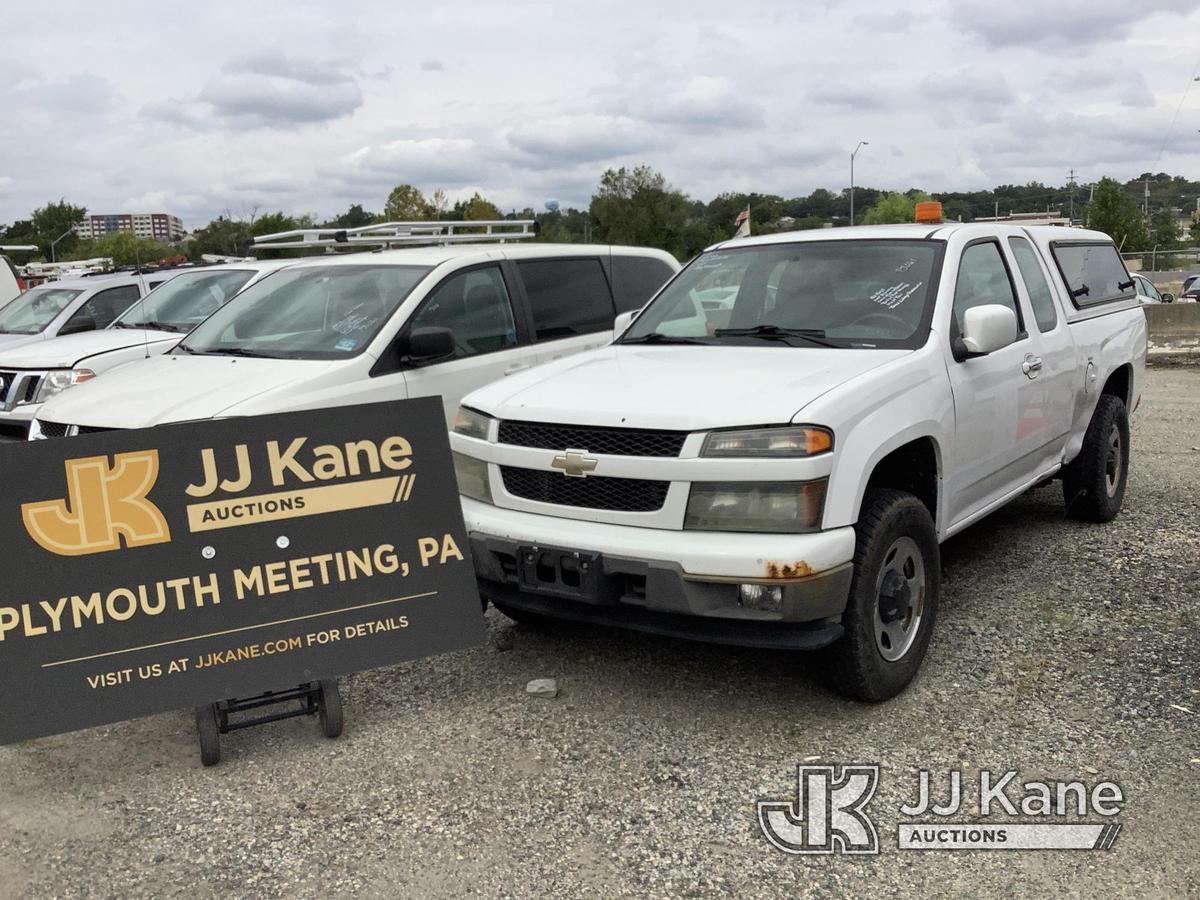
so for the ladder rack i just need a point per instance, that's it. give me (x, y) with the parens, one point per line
(388, 234)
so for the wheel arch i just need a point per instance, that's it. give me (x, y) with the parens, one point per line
(910, 462)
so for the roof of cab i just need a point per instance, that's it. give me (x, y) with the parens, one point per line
(915, 232)
(434, 255)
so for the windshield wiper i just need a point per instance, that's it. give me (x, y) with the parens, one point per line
(238, 351)
(776, 333)
(656, 337)
(165, 326)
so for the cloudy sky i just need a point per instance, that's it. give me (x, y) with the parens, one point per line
(200, 108)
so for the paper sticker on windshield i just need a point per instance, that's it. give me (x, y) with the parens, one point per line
(893, 296)
(346, 344)
(352, 323)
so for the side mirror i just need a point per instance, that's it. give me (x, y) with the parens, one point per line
(426, 345)
(78, 325)
(1167, 297)
(987, 329)
(623, 321)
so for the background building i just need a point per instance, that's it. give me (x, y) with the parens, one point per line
(160, 226)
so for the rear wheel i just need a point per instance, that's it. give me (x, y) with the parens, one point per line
(330, 708)
(1094, 481)
(893, 598)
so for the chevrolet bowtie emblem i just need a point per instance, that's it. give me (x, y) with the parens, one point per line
(574, 463)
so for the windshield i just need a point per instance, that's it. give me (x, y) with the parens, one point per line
(309, 312)
(185, 301)
(845, 293)
(31, 312)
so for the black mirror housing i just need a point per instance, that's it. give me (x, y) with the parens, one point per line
(426, 345)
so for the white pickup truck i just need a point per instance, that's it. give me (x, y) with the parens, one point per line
(771, 454)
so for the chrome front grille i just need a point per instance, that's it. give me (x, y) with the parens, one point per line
(19, 388)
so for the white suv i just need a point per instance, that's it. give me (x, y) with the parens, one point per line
(362, 327)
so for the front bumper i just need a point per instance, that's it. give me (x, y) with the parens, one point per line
(684, 584)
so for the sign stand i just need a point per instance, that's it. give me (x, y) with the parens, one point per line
(315, 698)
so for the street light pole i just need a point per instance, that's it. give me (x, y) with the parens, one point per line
(853, 154)
(54, 243)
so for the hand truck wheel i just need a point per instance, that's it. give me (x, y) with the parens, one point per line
(330, 709)
(210, 734)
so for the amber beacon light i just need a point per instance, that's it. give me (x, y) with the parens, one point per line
(929, 212)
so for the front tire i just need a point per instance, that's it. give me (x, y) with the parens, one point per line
(893, 598)
(1094, 481)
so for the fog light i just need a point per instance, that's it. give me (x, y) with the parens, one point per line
(761, 597)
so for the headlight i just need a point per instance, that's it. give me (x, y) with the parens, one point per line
(58, 380)
(789, 441)
(472, 476)
(472, 423)
(785, 507)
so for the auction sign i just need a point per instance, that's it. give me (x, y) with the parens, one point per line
(154, 569)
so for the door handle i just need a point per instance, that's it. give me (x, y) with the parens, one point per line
(514, 369)
(1031, 365)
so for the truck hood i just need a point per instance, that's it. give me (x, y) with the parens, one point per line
(73, 349)
(18, 340)
(166, 389)
(685, 388)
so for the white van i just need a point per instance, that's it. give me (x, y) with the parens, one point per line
(362, 327)
(32, 373)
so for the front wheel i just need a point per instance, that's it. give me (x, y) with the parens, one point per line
(893, 598)
(1094, 481)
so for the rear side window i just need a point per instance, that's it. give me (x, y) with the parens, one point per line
(103, 308)
(1035, 282)
(567, 297)
(983, 280)
(1093, 273)
(636, 279)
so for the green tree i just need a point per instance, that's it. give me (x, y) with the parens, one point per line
(478, 209)
(272, 223)
(637, 206)
(895, 209)
(124, 247)
(1116, 214)
(1164, 230)
(223, 236)
(52, 221)
(1196, 232)
(406, 204)
(354, 217)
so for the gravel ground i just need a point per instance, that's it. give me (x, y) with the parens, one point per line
(1062, 651)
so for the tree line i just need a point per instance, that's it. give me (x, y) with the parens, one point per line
(639, 206)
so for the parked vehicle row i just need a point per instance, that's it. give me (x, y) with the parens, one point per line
(90, 325)
(357, 328)
(769, 453)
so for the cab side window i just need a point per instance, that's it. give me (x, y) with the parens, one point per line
(1035, 282)
(982, 280)
(567, 297)
(635, 279)
(475, 306)
(103, 308)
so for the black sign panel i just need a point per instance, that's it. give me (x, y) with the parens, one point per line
(154, 569)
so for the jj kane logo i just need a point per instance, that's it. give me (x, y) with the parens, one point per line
(828, 814)
(105, 504)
